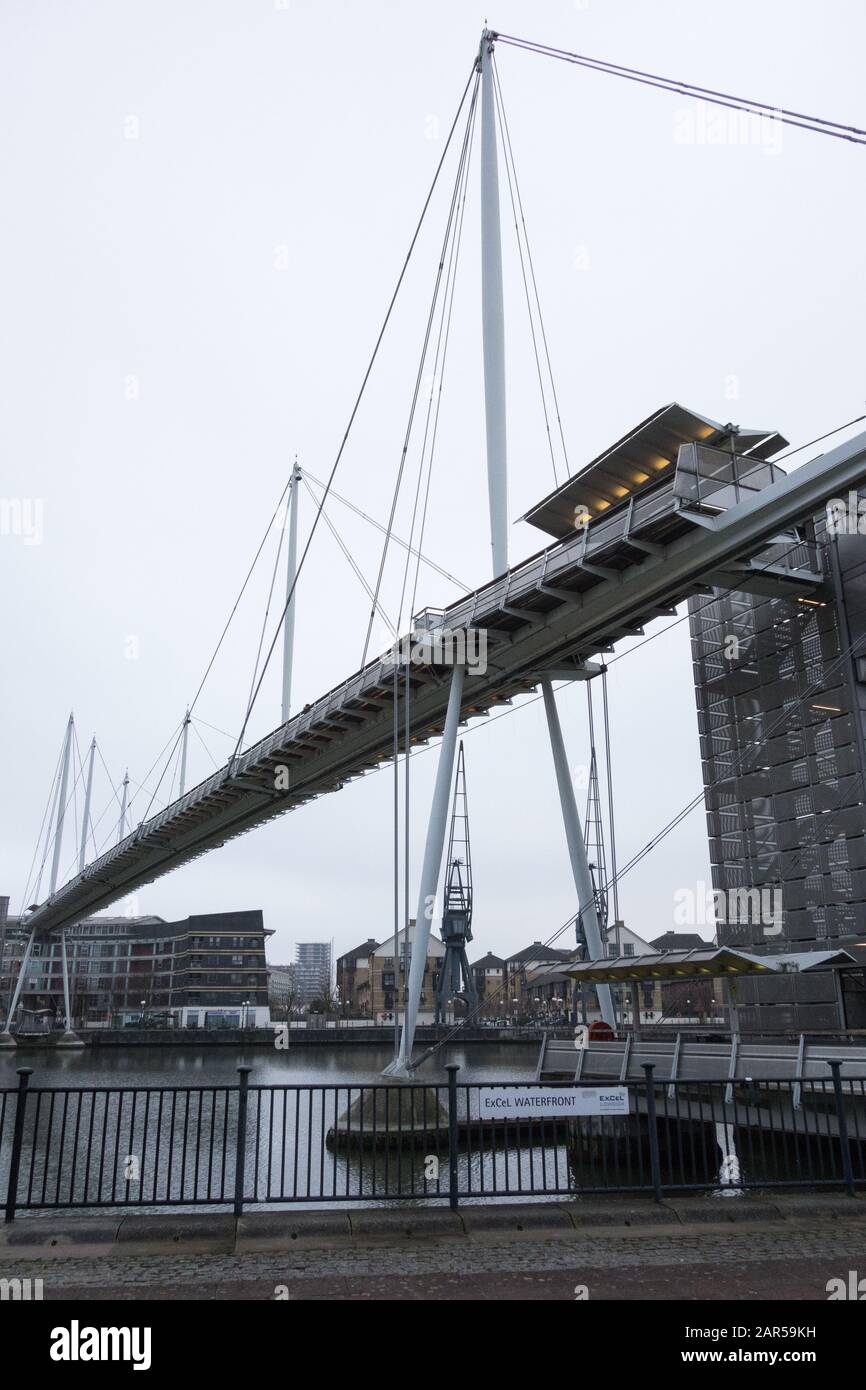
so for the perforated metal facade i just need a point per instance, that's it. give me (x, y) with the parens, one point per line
(782, 716)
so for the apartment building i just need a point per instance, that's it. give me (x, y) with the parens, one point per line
(206, 971)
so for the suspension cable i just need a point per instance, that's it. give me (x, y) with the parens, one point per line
(423, 357)
(425, 559)
(51, 794)
(443, 340)
(358, 399)
(356, 569)
(817, 124)
(612, 821)
(198, 735)
(71, 800)
(223, 732)
(512, 185)
(507, 133)
(216, 651)
(271, 588)
(402, 955)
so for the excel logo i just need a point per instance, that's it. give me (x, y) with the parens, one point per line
(21, 1290)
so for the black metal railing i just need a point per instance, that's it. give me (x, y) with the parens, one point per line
(244, 1145)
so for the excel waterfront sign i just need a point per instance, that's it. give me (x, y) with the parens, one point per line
(545, 1102)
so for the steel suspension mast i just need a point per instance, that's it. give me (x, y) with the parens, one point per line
(6, 1040)
(611, 821)
(123, 801)
(433, 849)
(576, 848)
(493, 317)
(82, 855)
(61, 806)
(291, 577)
(183, 750)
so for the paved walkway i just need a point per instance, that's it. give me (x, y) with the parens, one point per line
(740, 1263)
(694, 1250)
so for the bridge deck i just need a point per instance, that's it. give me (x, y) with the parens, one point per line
(565, 604)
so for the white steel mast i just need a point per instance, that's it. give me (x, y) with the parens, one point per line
(291, 578)
(493, 317)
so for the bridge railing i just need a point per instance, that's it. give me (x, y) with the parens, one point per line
(242, 1145)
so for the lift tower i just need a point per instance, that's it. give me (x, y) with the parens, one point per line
(457, 911)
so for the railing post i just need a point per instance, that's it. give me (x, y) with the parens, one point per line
(842, 1118)
(241, 1150)
(24, 1075)
(655, 1164)
(452, 1070)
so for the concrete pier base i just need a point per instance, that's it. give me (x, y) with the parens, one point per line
(7, 1040)
(391, 1117)
(69, 1039)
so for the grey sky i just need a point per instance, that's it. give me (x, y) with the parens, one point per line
(206, 207)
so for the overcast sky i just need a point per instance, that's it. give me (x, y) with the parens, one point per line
(206, 205)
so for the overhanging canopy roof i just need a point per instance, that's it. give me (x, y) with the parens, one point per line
(644, 454)
(711, 962)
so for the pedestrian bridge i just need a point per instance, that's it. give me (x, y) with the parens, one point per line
(545, 617)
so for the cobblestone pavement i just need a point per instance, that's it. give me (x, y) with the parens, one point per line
(742, 1263)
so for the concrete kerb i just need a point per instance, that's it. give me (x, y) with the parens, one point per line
(406, 1223)
(195, 1233)
(117, 1236)
(74, 1237)
(284, 1230)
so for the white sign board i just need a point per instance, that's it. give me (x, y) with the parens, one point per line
(545, 1102)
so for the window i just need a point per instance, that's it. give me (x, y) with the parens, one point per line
(628, 948)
